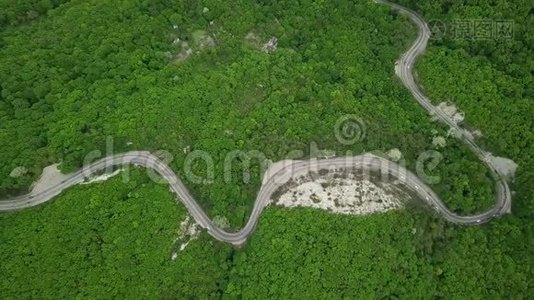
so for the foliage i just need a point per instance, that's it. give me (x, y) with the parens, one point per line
(105, 241)
(115, 240)
(309, 254)
(22, 11)
(490, 79)
(76, 73)
(91, 77)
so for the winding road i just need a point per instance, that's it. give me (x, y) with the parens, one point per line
(291, 169)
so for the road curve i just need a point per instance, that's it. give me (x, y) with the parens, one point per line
(291, 169)
(404, 70)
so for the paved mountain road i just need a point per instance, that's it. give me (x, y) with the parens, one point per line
(366, 162)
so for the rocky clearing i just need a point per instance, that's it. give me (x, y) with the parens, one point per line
(343, 193)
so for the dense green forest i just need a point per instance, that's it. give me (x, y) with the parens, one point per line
(115, 240)
(24, 11)
(106, 241)
(75, 74)
(491, 79)
(309, 254)
(90, 77)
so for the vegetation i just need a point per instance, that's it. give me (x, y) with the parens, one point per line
(106, 241)
(310, 254)
(77, 75)
(115, 240)
(488, 78)
(24, 11)
(91, 77)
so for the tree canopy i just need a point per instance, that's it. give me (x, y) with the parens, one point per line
(79, 76)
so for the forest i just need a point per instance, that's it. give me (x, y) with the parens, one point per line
(490, 79)
(115, 240)
(76, 74)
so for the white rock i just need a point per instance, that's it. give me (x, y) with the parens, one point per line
(439, 142)
(189, 230)
(102, 177)
(394, 154)
(343, 196)
(221, 222)
(477, 133)
(458, 117)
(451, 111)
(18, 171)
(504, 166)
(270, 46)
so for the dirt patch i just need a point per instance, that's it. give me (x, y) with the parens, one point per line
(504, 166)
(51, 176)
(451, 111)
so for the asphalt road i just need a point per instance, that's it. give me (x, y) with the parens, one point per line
(404, 70)
(365, 162)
